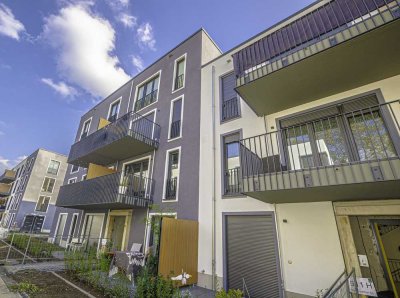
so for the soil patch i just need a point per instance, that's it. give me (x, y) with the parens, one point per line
(81, 284)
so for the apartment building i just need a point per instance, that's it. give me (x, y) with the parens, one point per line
(32, 191)
(138, 147)
(302, 125)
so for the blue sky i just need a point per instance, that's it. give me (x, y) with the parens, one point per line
(58, 58)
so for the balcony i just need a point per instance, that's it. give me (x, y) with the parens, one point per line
(320, 54)
(113, 191)
(129, 135)
(5, 190)
(8, 176)
(349, 156)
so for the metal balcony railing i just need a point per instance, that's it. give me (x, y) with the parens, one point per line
(230, 109)
(132, 125)
(171, 188)
(146, 100)
(394, 266)
(353, 147)
(232, 182)
(175, 129)
(326, 26)
(112, 118)
(179, 82)
(115, 190)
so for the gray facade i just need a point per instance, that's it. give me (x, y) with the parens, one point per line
(196, 50)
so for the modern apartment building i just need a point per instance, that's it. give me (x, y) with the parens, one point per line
(33, 190)
(138, 147)
(302, 125)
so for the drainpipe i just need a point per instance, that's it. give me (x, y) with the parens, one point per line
(214, 275)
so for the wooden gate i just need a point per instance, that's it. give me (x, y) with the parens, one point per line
(178, 248)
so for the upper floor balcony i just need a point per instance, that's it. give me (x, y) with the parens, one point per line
(333, 46)
(347, 156)
(130, 135)
(5, 189)
(8, 176)
(113, 191)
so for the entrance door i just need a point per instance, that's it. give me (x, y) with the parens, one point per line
(74, 222)
(117, 231)
(92, 231)
(62, 219)
(251, 256)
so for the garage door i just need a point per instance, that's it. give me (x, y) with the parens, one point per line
(251, 254)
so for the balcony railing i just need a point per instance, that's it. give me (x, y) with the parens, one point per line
(232, 182)
(146, 100)
(8, 176)
(326, 26)
(131, 134)
(230, 109)
(175, 129)
(171, 188)
(179, 82)
(112, 118)
(111, 191)
(350, 148)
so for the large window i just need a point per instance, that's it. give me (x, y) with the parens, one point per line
(42, 204)
(53, 168)
(175, 127)
(114, 110)
(147, 93)
(85, 128)
(179, 76)
(48, 184)
(171, 184)
(230, 104)
(231, 164)
(352, 131)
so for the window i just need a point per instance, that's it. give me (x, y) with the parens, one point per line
(84, 177)
(42, 204)
(114, 110)
(230, 103)
(53, 167)
(85, 128)
(48, 184)
(352, 131)
(171, 184)
(72, 180)
(74, 169)
(147, 93)
(175, 127)
(179, 76)
(231, 164)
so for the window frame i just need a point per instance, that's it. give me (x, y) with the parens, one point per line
(83, 127)
(144, 82)
(176, 61)
(171, 110)
(72, 167)
(73, 178)
(84, 177)
(58, 169)
(221, 99)
(119, 100)
(223, 157)
(54, 185)
(37, 203)
(166, 170)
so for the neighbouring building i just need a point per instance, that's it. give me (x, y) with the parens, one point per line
(301, 123)
(6, 180)
(32, 191)
(139, 146)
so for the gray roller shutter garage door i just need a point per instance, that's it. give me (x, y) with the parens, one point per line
(251, 253)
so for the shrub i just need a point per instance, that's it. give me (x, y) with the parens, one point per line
(25, 287)
(230, 294)
(38, 248)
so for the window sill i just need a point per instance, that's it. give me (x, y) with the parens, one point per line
(179, 89)
(233, 196)
(223, 121)
(174, 139)
(137, 111)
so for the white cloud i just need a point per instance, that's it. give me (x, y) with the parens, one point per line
(145, 36)
(127, 20)
(9, 25)
(85, 43)
(138, 62)
(118, 4)
(60, 87)
(9, 164)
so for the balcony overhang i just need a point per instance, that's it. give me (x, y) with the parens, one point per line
(369, 57)
(348, 192)
(5, 190)
(8, 176)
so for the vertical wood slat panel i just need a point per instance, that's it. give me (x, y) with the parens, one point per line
(178, 248)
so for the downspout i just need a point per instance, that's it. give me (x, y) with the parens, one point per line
(214, 275)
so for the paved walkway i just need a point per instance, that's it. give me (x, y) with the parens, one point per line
(5, 292)
(40, 266)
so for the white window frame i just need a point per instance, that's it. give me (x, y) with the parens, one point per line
(166, 173)
(148, 226)
(74, 179)
(119, 107)
(37, 202)
(84, 175)
(158, 73)
(83, 127)
(54, 186)
(171, 110)
(184, 56)
(70, 227)
(143, 116)
(58, 170)
(58, 223)
(101, 229)
(72, 167)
